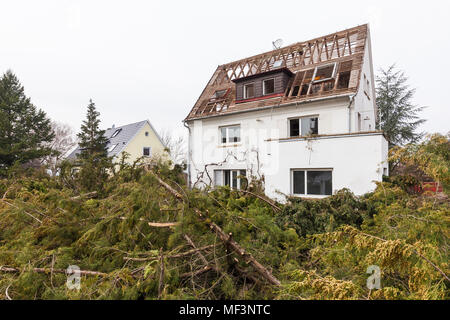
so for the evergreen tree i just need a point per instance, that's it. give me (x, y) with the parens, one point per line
(92, 140)
(94, 154)
(398, 116)
(25, 131)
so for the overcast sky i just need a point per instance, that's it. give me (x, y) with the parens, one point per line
(151, 59)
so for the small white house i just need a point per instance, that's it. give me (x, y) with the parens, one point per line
(302, 118)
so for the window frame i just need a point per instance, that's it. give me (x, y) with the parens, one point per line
(244, 95)
(149, 151)
(116, 133)
(264, 86)
(227, 134)
(237, 172)
(300, 125)
(306, 194)
(333, 75)
(112, 147)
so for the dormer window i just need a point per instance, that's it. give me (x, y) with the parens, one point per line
(249, 91)
(268, 86)
(264, 85)
(116, 133)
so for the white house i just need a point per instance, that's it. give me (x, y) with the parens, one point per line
(301, 117)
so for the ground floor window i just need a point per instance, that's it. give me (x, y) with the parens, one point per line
(311, 182)
(231, 178)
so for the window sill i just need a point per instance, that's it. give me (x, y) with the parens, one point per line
(310, 196)
(230, 145)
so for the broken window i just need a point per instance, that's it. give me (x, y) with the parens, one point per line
(230, 134)
(305, 88)
(232, 178)
(324, 73)
(219, 94)
(345, 69)
(303, 126)
(268, 86)
(249, 91)
(146, 151)
(344, 80)
(312, 182)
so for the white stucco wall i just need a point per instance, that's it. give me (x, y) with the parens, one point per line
(355, 160)
(365, 101)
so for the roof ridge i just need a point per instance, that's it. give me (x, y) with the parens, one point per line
(297, 43)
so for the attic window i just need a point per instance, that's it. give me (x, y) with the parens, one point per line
(324, 73)
(111, 148)
(268, 86)
(249, 91)
(146, 133)
(116, 133)
(219, 94)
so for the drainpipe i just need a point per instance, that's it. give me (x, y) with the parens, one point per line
(352, 98)
(189, 154)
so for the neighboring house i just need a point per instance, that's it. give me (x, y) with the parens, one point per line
(302, 117)
(138, 139)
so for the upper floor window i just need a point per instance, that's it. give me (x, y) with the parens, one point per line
(230, 134)
(268, 86)
(249, 91)
(146, 151)
(305, 126)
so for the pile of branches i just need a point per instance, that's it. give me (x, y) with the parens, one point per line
(147, 236)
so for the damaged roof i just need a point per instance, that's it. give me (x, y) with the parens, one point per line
(343, 49)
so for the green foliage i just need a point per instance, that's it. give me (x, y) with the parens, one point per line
(25, 131)
(318, 249)
(398, 116)
(93, 162)
(432, 157)
(309, 216)
(93, 141)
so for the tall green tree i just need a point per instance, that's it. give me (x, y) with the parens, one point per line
(93, 141)
(25, 131)
(94, 162)
(398, 116)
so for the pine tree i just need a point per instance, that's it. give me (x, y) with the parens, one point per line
(25, 131)
(93, 142)
(398, 116)
(94, 162)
